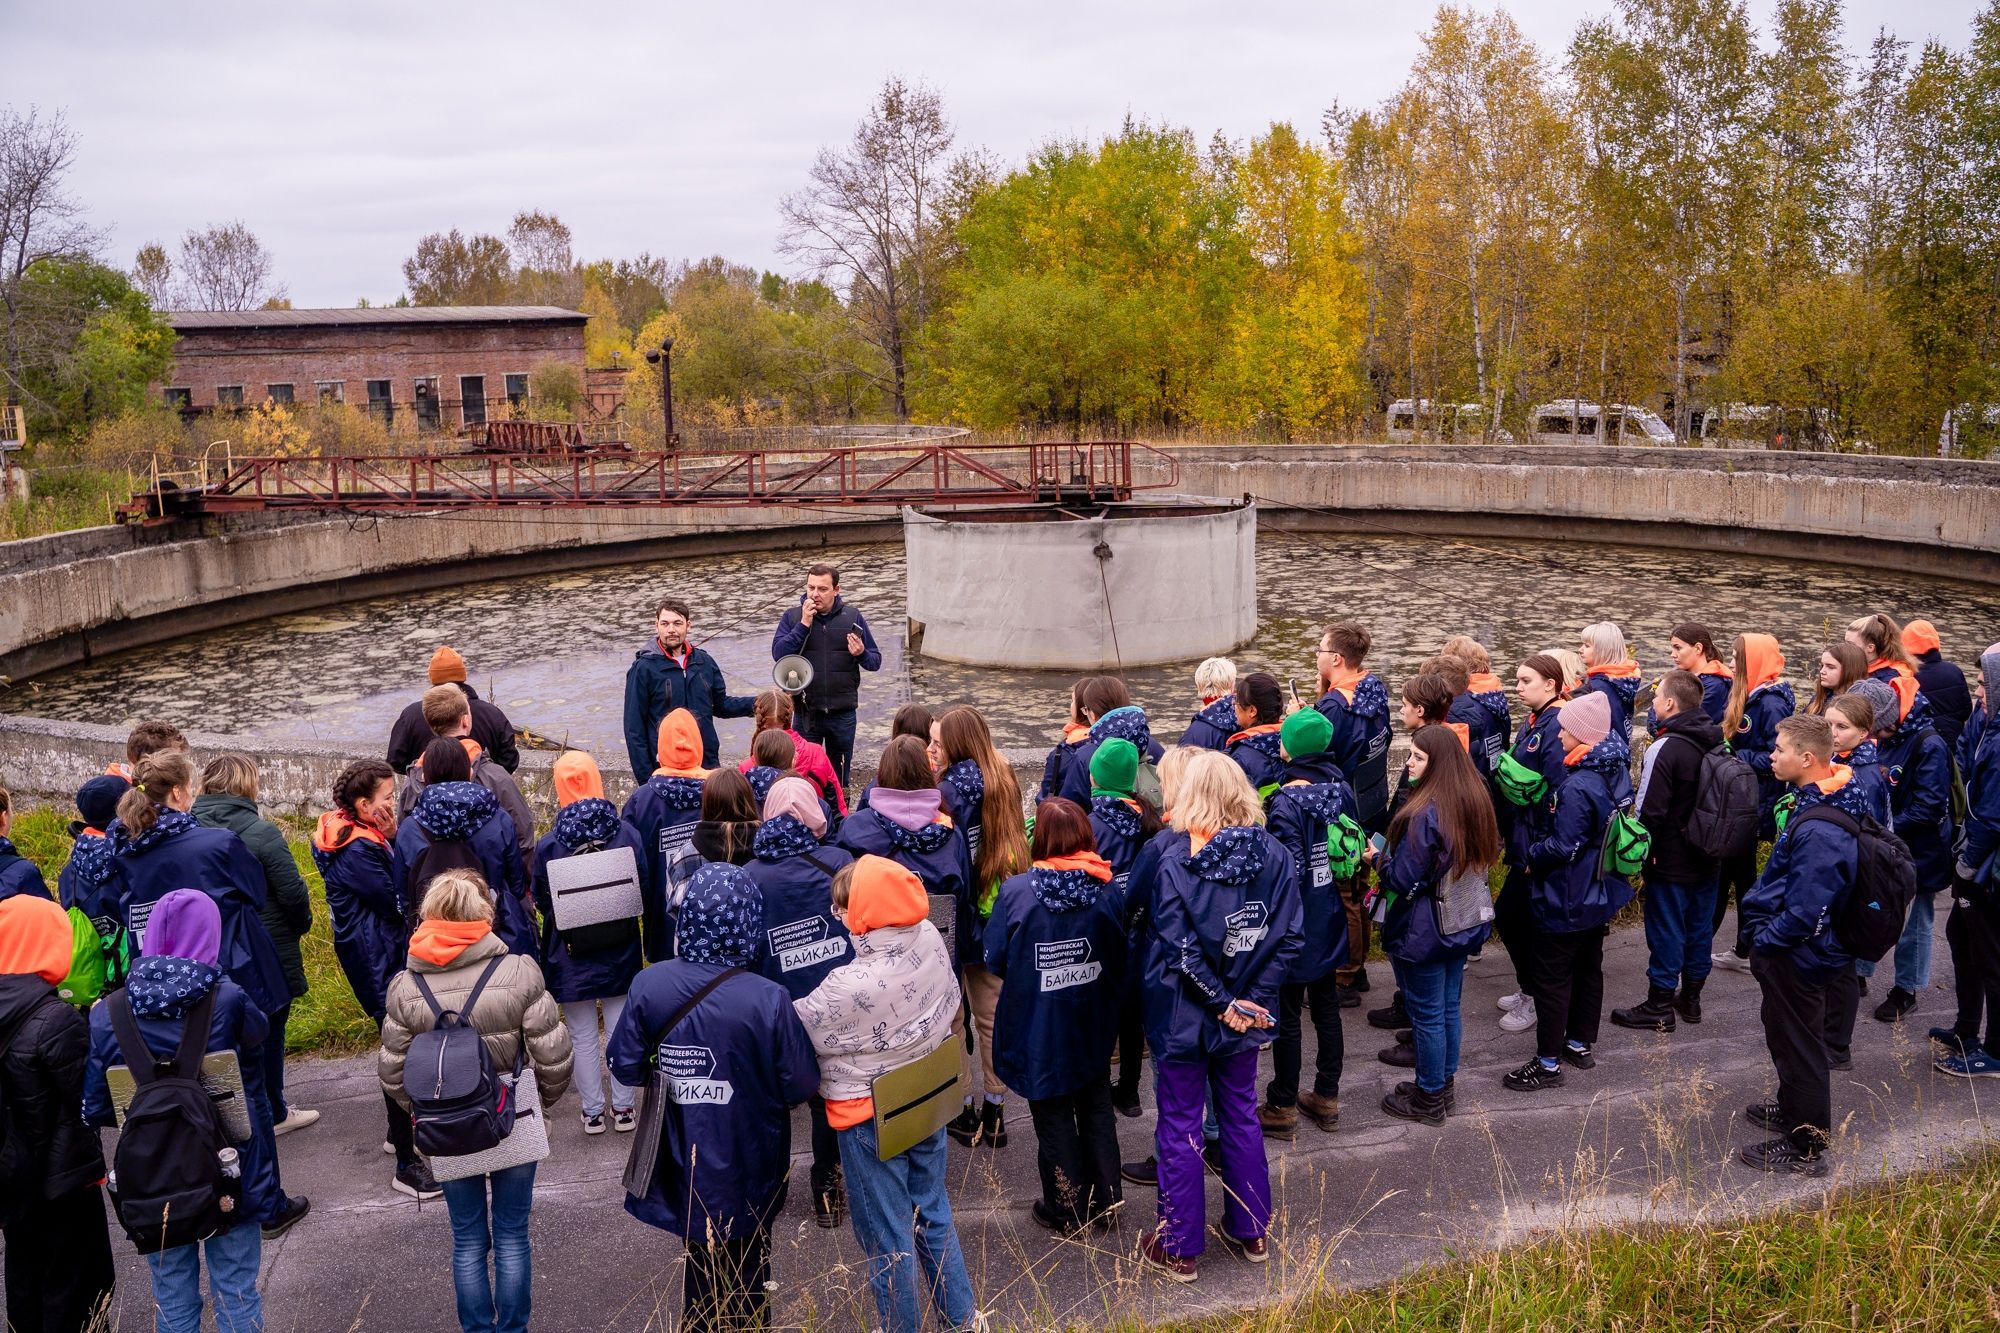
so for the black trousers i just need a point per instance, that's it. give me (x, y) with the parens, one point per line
(58, 1265)
(826, 1145)
(1076, 1139)
(1843, 1003)
(1973, 933)
(1514, 922)
(833, 728)
(402, 1132)
(1568, 977)
(1287, 1055)
(724, 1285)
(1131, 1042)
(1738, 878)
(273, 1056)
(1795, 1027)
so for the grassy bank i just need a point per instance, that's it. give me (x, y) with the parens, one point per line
(326, 1020)
(62, 498)
(1921, 1253)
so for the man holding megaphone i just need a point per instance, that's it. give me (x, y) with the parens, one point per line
(835, 639)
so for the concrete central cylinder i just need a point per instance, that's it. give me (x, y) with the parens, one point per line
(1082, 590)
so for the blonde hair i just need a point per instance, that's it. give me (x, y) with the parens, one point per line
(1468, 650)
(1215, 794)
(843, 885)
(1572, 665)
(457, 895)
(1215, 677)
(235, 774)
(154, 778)
(1606, 640)
(1173, 763)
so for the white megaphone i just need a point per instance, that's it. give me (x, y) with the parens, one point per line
(792, 674)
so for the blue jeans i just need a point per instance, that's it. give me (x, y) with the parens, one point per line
(902, 1218)
(1913, 946)
(232, 1282)
(501, 1305)
(1431, 994)
(1680, 924)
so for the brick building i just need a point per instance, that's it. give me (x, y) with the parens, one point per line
(414, 367)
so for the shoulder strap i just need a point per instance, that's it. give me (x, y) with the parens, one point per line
(423, 989)
(194, 1037)
(472, 999)
(694, 1000)
(819, 865)
(130, 1040)
(1828, 812)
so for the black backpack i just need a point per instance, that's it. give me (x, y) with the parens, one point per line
(169, 1183)
(1723, 822)
(1868, 919)
(458, 1101)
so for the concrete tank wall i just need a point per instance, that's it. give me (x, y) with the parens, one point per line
(1033, 592)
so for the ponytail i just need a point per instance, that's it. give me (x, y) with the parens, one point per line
(154, 778)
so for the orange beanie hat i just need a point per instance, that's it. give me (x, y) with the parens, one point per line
(35, 938)
(577, 778)
(447, 666)
(680, 745)
(883, 893)
(1920, 636)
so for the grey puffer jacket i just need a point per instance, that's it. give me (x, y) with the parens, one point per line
(514, 1007)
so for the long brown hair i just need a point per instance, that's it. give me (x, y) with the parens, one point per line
(1886, 636)
(771, 712)
(153, 779)
(1003, 834)
(729, 801)
(1453, 787)
(1739, 687)
(905, 766)
(1853, 659)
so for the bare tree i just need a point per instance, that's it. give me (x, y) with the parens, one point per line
(451, 269)
(545, 269)
(227, 268)
(153, 274)
(869, 221)
(38, 218)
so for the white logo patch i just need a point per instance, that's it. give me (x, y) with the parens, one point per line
(691, 1074)
(1246, 927)
(1066, 963)
(798, 944)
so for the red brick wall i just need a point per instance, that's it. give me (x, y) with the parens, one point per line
(399, 353)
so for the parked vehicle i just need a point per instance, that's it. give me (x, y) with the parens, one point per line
(1573, 420)
(1412, 419)
(1969, 431)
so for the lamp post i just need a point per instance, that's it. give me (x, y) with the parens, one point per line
(663, 357)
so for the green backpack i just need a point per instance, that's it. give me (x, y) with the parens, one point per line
(1519, 783)
(1626, 843)
(1344, 842)
(85, 981)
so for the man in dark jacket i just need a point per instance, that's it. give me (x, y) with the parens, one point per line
(446, 714)
(1680, 880)
(1939, 681)
(1806, 975)
(490, 726)
(834, 637)
(671, 673)
(59, 1268)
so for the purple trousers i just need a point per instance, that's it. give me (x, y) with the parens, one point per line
(1183, 1087)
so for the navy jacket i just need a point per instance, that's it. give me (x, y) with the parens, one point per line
(1211, 728)
(19, 875)
(664, 811)
(1621, 691)
(1979, 846)
(1790, 908)
(836, 682)
(468, 812)
(90, 881)
(656, 685)
(1313, 796)
(1570, 893)
(237, 1024)
(1057, 939)
(1225, 924)
(1482, 739)
(490, 727)
(1117, 829)
(736, 1065)
(1943, 685)
(1127, 723)
(1866, 761)
(1916, 764)
(594, 976)
(1258, 755)
(1413, 870)
(804, 939)
(935, 854)
(370, 935)
(1361, 744)
(1539, 746)
(1756, 736)
(1055, 768)
(178, 853)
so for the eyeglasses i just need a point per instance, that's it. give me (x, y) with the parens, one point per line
(1322, 649)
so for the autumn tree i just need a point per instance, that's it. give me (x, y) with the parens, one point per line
(225, 267)
(40, 221)
(449, 269)
(545, 269)
(153, 274)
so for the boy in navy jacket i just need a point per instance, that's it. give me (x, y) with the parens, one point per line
(1974, 929)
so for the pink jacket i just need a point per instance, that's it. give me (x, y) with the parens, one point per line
(812, 764)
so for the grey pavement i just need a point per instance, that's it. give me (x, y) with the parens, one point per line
(1649, 1135)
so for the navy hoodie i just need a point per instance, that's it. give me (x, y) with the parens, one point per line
(1570, 893)
(371, 937)
(1211, 728)
(1117, 828)
(90, 881)
(1756, 736)
(19, 875)
(593, 976)
(664, 811)
(1257, 753)
(1313, 797)
(1790, 908)
(1621, 691)
(1482, 738)
(467, 812)
(1916, 763)
(934, 853)
(656, 685)
(1942, 684)
(804, 938)
(1413, 870)
(1360, 744)
(1225, 924)
(1538, 746)
(1060, 936)
(1127, 723)
(1979, 847)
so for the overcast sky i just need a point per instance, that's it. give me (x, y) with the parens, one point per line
(341, 133)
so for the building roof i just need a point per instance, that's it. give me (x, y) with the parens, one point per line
(187, 320)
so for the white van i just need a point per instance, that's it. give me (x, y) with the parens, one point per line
(1740, 426)
(1575, 421)
(1411, 419)
(1967, 427)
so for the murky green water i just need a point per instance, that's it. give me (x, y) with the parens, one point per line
(553, 650)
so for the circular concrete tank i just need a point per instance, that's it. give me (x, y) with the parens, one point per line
(1082, 590)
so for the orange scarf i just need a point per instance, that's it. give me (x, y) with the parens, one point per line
(1484, 682)
(439, 942)
(1074, 731)
(1840, 777)
(1090, 863)
(1714, 668)
(1198, 839)
(1261, 729)
(1345, 683)
(1574, 755)
(336, 830)
(1616, 669)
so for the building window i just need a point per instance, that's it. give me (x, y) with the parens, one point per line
(332, 391)
(429, 414)
(229, 397)
(181, 400)
(472, 399)
(279, 393)
(380, 405)
(517, 391)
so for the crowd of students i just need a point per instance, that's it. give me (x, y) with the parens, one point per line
(1185, 906)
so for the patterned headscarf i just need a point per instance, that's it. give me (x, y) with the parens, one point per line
(722, 917)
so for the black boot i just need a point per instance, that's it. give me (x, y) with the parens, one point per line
(1688, 1002)
(993, 1125)
(1391, 1016)
(964, 1127)
(1426, 1108)
(1655, 1015)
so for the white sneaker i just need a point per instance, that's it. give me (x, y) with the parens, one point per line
(297, 1118)
(1520, 1018)
(1730, 960)
(1509, 1003)
(388, 1148)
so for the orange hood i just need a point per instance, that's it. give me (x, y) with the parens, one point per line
(438, 942)
(35, 938)
(1090, 863)
(1074, 732)
(1345, 683)
(1842, 774)
(680, 746)
(336, 830)
(577, 778)
(1464, 734)
(882, 893)
(1763, 661)
(1616, 670)
(1920, 636)
(1484, 682)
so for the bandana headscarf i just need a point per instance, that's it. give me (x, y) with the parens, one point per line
(721, 917)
